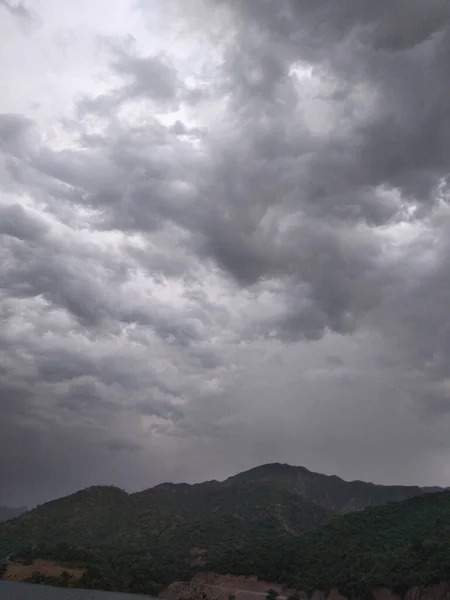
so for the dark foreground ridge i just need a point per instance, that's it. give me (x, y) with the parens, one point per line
(282, 523)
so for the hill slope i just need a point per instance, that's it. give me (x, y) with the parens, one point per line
(271, 500)
(397, 546)
(205, 515)
(165, 532)
(330, 491)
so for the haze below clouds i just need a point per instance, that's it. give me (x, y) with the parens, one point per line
(224, 241)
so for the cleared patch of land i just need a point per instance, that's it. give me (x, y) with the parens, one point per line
(213, 586)
(49, 568)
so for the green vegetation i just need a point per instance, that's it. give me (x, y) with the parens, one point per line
(166, 521)
(397, 545)
(59, 581)
(129, 542)
(278, 522)
(103, 571)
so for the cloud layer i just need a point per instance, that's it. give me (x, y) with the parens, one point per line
(224, 240)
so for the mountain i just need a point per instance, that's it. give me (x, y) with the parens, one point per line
(7, 512)
(166, 532)
(329, 491)
(168, 519)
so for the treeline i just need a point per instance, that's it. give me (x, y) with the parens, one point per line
(103, 570)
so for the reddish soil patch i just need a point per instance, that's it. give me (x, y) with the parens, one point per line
(19, 572)
(241, 583)
(212, 586)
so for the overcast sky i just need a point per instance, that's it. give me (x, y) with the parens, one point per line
(224, 241)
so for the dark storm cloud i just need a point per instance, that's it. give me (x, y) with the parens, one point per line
(283, 235)
(122, 445)
(368, 168)
(164, 410)
(335, 361)
(402, 141)
(84, 394)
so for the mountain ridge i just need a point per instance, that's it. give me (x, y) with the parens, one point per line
(299, 476)
(263, 471)
(169, 531)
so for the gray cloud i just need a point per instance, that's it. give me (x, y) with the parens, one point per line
(228, 248)
(19, 11)
(151, 77)
(123, 445)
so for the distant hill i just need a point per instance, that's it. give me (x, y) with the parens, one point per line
(7, 512)
(137, 542)
(329, 491)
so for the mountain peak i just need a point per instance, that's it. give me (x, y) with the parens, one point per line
(104, 490)
(270, 470)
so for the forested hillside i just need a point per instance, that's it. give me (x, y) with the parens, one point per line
(397, 546)
(279, 522)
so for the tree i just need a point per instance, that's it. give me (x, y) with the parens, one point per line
(3, 568)
(65, 579)
(271, 594)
